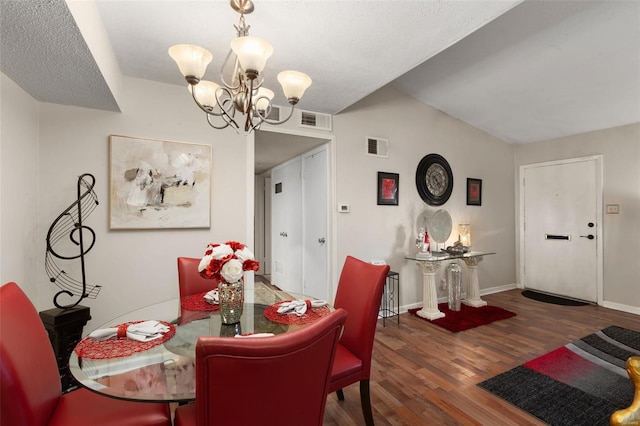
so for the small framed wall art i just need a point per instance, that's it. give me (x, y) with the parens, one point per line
(474, 192)
(388, 185)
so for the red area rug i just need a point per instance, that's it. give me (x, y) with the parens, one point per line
(579, 384)
(467, 317)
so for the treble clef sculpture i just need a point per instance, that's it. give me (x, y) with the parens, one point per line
(69, 224)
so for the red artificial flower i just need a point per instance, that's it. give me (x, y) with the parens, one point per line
(235, 245)
(250, 265)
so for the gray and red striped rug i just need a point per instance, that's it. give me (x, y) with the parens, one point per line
(581, 383)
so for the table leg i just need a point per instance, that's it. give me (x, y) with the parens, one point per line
(473, 295)
(430, 305)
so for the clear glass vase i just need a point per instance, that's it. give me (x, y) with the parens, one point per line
(454, 286)
(231, 301)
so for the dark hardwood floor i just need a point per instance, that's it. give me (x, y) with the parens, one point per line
(424, 375)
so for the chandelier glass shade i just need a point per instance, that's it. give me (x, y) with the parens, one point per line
(242, 91)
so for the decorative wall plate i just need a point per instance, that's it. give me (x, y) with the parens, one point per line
(434, 180)
(440, 226)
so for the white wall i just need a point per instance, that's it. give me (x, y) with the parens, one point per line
(134, 266)
(21, 248)
(620, 148)
(414, 130)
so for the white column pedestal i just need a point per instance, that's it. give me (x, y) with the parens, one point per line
(430, 305)
(473, 292)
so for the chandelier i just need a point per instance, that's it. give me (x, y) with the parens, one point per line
(241, 91)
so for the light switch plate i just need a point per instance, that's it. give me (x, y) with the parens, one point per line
(613, 208)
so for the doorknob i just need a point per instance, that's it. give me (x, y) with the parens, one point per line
(591, 237)
(590, 224)
(321, 240)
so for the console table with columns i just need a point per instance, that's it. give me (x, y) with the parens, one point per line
(429, 265)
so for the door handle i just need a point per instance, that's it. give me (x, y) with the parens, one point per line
(321, 240)
(590, 236)
(283, 234)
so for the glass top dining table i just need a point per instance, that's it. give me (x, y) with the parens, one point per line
(166, 372)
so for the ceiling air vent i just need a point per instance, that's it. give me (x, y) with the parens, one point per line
(378, 147)
(315, 120)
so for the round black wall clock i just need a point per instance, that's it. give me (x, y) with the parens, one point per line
(434, 180)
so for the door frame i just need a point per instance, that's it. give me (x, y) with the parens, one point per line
(332, 232)
(599, 217)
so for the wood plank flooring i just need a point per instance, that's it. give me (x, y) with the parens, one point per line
(424, 375)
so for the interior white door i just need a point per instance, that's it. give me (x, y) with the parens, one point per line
(561, 228)
(266, 216)
(278, 224)
(286, 243)
(315, 218)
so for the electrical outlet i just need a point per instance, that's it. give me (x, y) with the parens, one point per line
(613, 208)
(343, 208)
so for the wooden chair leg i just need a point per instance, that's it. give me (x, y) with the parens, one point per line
(340, 395)
(365, 400)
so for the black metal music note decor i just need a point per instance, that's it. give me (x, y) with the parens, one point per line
(69, 224)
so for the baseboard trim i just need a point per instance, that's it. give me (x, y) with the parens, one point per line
(498, 289)
(621, 307)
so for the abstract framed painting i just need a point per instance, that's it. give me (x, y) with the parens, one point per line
(156, 184)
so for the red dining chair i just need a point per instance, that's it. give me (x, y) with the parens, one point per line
(189, 279)
(279, 380)
(359, 293)
(30, 387)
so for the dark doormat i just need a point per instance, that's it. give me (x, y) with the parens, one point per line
(556, 300)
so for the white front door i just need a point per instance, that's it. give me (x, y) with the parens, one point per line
(314, 205)
(561, 223)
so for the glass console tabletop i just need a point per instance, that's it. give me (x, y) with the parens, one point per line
(167, 372)
(441, 256)
(429, 263)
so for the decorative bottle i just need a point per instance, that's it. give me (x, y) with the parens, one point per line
(426, 241)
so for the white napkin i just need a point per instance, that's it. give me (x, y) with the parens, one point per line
(142, 331)
(254, 335)
(299, 307)
(212, 297)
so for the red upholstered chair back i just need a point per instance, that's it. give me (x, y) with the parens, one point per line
(279, 380)
(360, 293)
(29, 381)
(189, 279)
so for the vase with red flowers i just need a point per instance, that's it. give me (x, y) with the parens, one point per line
(227, 263)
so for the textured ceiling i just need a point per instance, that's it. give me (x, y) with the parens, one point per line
(522, 71)
(43, 51)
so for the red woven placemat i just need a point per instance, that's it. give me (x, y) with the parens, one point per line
(312, 314)
(196, 302)
(115, 347)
